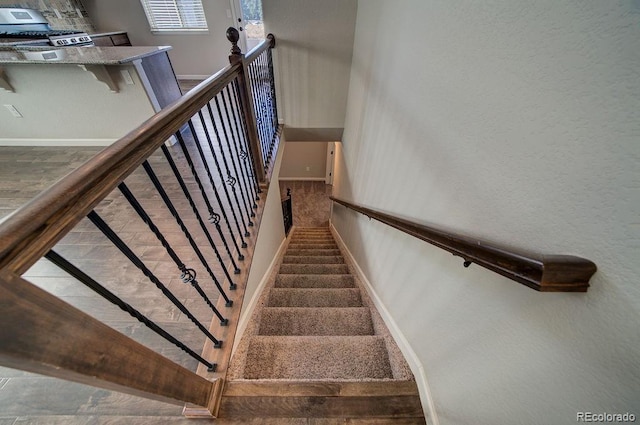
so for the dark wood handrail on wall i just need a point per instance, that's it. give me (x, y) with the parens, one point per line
(546, 273)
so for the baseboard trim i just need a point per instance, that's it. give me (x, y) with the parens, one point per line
(412, 358)
(192, 77)
(57, 142)
(305, 179)
(248, 311)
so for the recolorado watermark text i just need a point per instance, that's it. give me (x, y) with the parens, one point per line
(605, 417)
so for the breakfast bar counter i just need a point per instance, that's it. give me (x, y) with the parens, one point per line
(92, 55)
(90, 95)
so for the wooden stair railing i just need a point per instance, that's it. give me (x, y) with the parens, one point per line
(43, 334)
(545, 273)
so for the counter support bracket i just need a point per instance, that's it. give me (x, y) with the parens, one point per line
(101, 73)
(4, 82)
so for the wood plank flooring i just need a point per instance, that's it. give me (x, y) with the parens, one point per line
(27, 398)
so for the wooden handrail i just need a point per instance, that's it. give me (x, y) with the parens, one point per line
(268, 43)
(35, 317)
(246, 100)
(29, 232)
(35, 336)
(545, 273)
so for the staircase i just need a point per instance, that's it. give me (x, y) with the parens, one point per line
(317, 348)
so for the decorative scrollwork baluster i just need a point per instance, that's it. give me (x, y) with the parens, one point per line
(85, 279)
(122, 246)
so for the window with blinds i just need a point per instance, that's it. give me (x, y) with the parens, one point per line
(175, 15)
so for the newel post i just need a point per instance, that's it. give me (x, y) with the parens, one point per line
(246, 103)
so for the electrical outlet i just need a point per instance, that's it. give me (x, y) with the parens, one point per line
(308, 168)
(228, 13)
(127, 77)
(13, 111)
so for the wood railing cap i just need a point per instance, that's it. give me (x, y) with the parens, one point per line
(546, 273)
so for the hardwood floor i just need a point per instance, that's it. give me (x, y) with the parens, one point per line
(27, 398)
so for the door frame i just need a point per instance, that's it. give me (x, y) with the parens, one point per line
(238, 23)
(331, 155)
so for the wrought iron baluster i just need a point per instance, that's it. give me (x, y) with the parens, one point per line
(231, 179)
(242, 144)
(264, 109)
(271, 99)
(268, 100)
(257, 96)
(230, 138)
(167, 201)
(194, 208)
(213, 216)
(252, 89)
(226, 166)
(272, 85)
(287, 213)
(85, 279)
(188, 275)
(224, 187)
(122, 246)
(215, 191)
(243, 121)
(244, 187)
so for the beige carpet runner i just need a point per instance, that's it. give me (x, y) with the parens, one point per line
(314, 322)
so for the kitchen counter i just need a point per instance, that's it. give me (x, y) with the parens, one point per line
(84, 96)
(80, 55)
(22, 42)
(8, 42)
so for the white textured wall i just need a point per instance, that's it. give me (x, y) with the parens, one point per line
(270, 236)
(518, 122)
(314, 41)
(65, 105)
(193, 54)
(304, 160)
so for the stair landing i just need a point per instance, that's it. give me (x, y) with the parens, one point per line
(317, 348)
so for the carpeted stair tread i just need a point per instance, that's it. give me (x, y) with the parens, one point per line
(314, 269)
(309, 259)
(313, 252)
(313, 239)
(313, 236)
(315, 321)
(313, 246)
(317, 357)
(315, 281)
(314, 297)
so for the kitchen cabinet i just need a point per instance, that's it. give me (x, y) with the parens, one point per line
(111, 39)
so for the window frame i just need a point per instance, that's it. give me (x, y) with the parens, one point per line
(153, 10)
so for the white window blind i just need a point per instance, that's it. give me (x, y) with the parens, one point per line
(175, 15)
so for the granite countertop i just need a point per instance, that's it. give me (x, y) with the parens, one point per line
(103, 34)
(27, 41)
(80, 55)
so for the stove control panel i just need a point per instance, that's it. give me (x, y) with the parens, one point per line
(69, 40)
